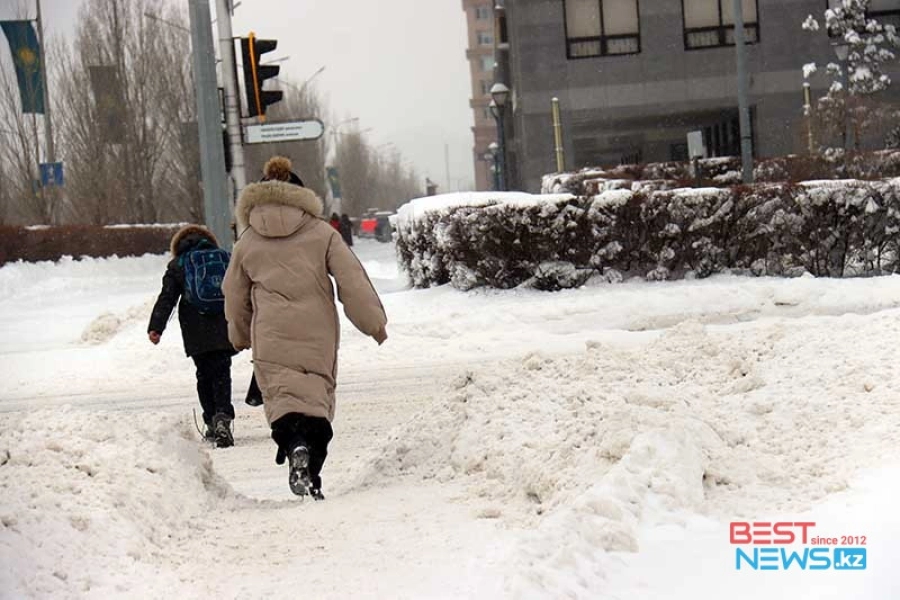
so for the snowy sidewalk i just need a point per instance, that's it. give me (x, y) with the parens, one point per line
(592, 443)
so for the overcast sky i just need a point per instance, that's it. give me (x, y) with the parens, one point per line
(398, 65)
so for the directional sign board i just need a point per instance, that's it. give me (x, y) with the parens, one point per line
(284, 132)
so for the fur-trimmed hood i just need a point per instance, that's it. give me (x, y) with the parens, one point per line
(276, 208)
(188, 236)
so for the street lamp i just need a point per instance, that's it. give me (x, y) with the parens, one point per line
(276, 60)
(842, 51)
(301, 87)
(165, 22)
(500, 95)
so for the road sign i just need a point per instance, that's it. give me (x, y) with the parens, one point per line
(284, 132)
(52, 174)
(696, 147)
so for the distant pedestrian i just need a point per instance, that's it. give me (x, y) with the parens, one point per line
(346, 229)
(335, 221)
(192, 282)
(279, 280)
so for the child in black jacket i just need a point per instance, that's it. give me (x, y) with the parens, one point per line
(205, 336)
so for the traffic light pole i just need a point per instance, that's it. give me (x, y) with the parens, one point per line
(232, 106)
(216, 207)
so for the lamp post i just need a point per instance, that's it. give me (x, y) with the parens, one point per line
(491, 157)
(500, 95)
(842, 51)
(807, 115)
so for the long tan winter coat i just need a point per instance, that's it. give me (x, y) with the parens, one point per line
(279, 299)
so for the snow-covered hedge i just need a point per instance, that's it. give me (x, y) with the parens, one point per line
(32, 244)
(826, 228)
(724, 172)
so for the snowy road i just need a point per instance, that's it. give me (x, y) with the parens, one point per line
(500, 444)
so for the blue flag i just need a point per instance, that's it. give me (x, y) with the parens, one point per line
(28, 61)
(334, 181)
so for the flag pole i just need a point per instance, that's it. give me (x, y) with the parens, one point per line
(48, 124)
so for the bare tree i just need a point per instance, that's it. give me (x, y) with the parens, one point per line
(373, 179)
(126, 101)
(353, 158)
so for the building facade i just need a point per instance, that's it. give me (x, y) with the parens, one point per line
(480, 53)
(635, 76)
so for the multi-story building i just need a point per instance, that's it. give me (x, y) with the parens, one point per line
(480, 17)
(635, 76)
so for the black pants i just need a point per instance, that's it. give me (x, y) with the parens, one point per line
(294, 429)
(214, 383)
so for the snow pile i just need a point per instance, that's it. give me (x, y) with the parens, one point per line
(39, 281)
(108, 324)
(588, 450)
(421, 207)
(94, 503)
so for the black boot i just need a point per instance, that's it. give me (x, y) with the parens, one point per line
(298, 473)
(221, 426)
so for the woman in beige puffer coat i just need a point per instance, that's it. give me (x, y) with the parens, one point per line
(279, 301)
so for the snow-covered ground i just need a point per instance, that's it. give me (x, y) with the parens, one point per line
(591, 443)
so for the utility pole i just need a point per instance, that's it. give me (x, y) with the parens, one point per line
(232, 107)
(216, 205)
(743, 107)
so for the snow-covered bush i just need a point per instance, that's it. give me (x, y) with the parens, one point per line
(418, 249)
(848, 108)
(869, 44)
(553, 276)
(825, 228)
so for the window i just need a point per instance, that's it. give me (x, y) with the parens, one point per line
(487, 63)
(602, 28)
(632, 158)
(710, 23)
(485, 38)
(876, 7)
(485, 87)
(483, 13)
(880, 7)
(501, 29)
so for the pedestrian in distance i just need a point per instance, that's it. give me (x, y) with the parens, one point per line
(280, 280)
(346, 229)
(335, 221)
(192, 282)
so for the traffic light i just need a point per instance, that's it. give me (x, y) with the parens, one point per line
(255, 74)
